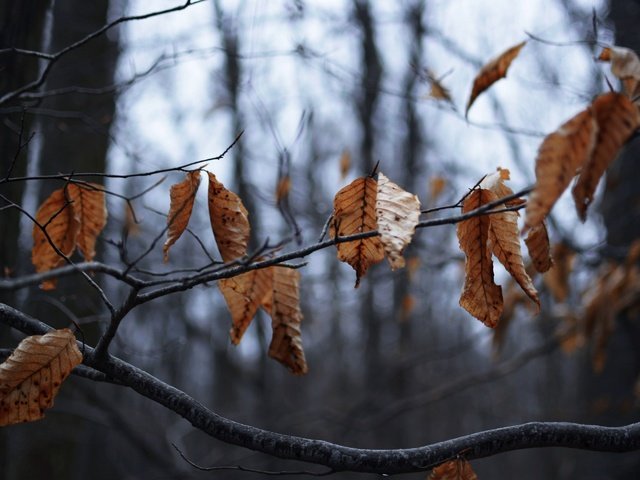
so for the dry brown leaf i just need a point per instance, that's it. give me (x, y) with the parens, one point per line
(283, 188)
(436, 187)
(398, 213)
(31, 377)
(626, 66)
(345, 163)
(458, 469)
(438, 91)
(481, 297)
(61, 224)
(504, 238)
(286, 317)
(492, 72)
(229, 220)
(617, 119)
(183, 195)
(560, 156)
(495, 182)
(244, 295)
(90, 210)
(539, 248)
(354, 212)
(557, 278)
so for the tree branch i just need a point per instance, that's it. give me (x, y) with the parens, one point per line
(339, 457)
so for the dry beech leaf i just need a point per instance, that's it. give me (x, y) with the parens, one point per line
(495, 182)
(283, 188)
(229, 220)
(244, 295)
(557, 278)
(617, 118)
(398, 213)
(31, 377)
(438, 91)
(492, 72)
(625, 65)
(183, 195)
(458, 469)
(91, 211)
(504, 238)
(436, 187)
(561, 154)
(481, 297)
(354, 212)
(345, 163)
(537, 242)
(61, 224)
(286, 317)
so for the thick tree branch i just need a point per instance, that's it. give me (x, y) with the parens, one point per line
(339, 457)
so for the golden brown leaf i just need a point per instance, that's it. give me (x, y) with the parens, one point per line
(244, 294)
(90, 210)
(505, 244)
(31, 377)
(354, 212)
(492, 72)
(398, 213)
(436, 187)
(557, 278)
(183, 195)
(539, 249)
(283, 188)
(495, 182)
(286, 317)
(561, 154)
(626, 66)
(345, 163)
(481, 297)
(58, 217)
(458, 469)
(229, 220)
(438, 91)
(617, 119)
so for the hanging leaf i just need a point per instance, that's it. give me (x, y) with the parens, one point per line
(561, 154)
(244, 294)
(625, 65)
(504, 238)
(354, 212)
(229, 220)
(345, 163)
(436, 187)
(398, 213)
(31, 377)
(492, 72)
(617, 118)
(537, 242)
(495, 182)
(286, 317)
(183, 195)
(557, 278)
(481, 297)
(438, 91)
(90, 209)
(458, 469)
(283, 188)
(61, 224)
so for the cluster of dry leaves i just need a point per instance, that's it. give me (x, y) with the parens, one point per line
(383, 217)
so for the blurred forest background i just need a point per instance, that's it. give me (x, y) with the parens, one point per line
(396, 363)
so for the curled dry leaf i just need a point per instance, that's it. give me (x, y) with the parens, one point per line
(560, 156)
(345, 163)
(229, 220)
(183, 195)
(398, 213)
(60, 222)
(286, 317)
(91, 211)
(31, 377)
(492, 72)
(617, 119)
(458, 469)
(625, 65)
(244, 295)
(495, 182)
(354, 212)
(481, 297)
(537, 242)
